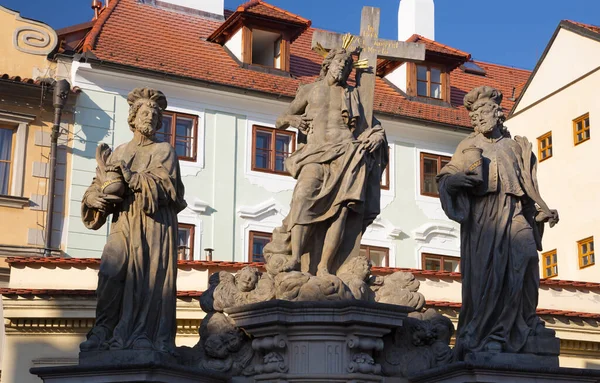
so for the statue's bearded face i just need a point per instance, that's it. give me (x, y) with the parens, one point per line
(484, 117)
(146, 119)
(339, 69)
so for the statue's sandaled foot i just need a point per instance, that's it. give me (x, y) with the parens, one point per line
(290, 265)
(323, 272)
(93, 343)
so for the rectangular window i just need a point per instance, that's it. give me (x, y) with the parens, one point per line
(440, 262)
(545, 146)
(385, 175)
(379, 256)
(429, 82)
(550, 264)
(258, 240)
(180, 130)
(581, 129)
(270, 148)
(185, 247)
(431, 165)
(7, 142)
(586, 252)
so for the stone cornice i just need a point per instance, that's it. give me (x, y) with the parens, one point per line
(77, 326)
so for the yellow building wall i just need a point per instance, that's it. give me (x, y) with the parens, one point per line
(20, 55)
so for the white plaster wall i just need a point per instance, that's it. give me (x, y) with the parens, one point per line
(569, 181)
(234, 44)
(570, 57)
(222, 182)
(398, 77)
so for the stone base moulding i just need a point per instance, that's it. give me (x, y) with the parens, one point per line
(136, 373)
(326, 341)
(464, 372)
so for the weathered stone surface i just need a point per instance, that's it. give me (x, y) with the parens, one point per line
(474, 373)
(140, 185)
(126, 373)
(318, 341)
(489, 187)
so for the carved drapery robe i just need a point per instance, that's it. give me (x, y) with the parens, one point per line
(499, 242)
(331, 176)
(136, 283)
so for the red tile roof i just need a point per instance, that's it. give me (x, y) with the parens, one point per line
(434, 46)
(69, 293)
(259, 7)
(590, 27)
(563, 313)
(175, 43)
(19, 79)
(197, 294)
(238, 265)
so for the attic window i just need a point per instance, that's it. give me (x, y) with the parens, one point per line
(471, 67)
(265, 48)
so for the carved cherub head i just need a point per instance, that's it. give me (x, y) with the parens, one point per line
(483, 104)
(145, 110)
(247, 278)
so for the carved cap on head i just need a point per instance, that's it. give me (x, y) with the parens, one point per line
(147, 94)
(482, 95)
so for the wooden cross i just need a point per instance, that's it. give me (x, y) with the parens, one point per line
(372, 47)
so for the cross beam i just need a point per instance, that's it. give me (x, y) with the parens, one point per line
(372, 47)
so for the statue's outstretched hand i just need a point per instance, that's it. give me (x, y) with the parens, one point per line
(552, 219)
(462, 180)
(372, 143)
(300, 122)
(96, 200)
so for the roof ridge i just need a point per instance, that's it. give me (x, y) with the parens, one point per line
(90, 40)
(421, 37)
(501, 65)
(285, 12)
(580, 23)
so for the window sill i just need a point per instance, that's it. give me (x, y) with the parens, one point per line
(13, 202)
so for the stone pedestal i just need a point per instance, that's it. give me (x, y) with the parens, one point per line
(464, 372)
(317, 341)
(125, 373)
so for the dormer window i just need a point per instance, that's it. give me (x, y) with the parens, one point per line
(259, 35)
(266, 49)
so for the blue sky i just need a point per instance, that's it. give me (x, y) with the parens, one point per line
(508, 32)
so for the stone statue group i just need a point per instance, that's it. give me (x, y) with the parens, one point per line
(489, 187)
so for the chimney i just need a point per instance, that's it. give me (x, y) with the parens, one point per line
(215, 7)
(416, 16)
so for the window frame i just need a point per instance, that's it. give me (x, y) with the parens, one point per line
(11, 161)
(251, 235)
(442, 82)
(442, 258)
(172, 142)
(549, 254)
(439, 159)
(368, 249)
(273, 155)
(540, 139)
(581, 255)
(190, 248)
(584, 129)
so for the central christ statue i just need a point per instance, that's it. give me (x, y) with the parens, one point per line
(338, 171)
